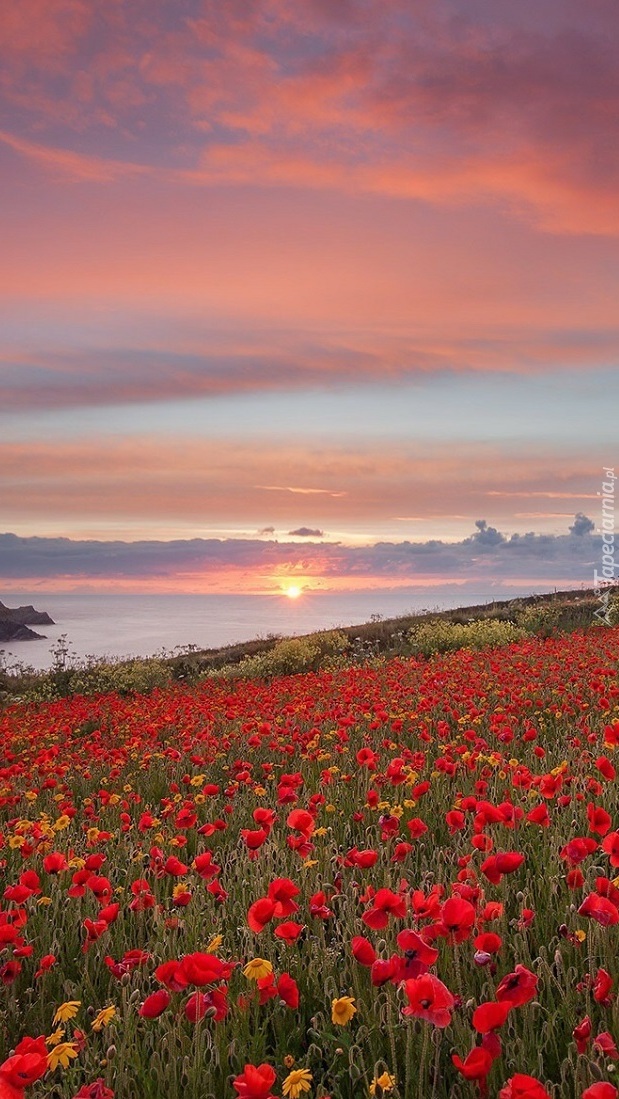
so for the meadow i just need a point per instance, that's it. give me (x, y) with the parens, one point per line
(390, 878)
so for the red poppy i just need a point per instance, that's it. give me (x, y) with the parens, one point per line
(203, 864)
(289, 931)
(96, 1090)
(577, 849)
(601, 987)
(489, 942)
(28, 1063)
(214, 1002)
(363, 951)
(599, 909)
(94, 929)
(172, 976)
(491, 1015)
(318, 907)
(518, 987)
(364, 860)
(610, 844)
(605, 1044)
(255, 1082)
(48, 961)
(581, 1034)
(476, 1065)
(539, 815)
(418, 954)
(55, 863)
(504, 862)
(385, 904)
(605, 768)
(430, 999)
(281, 893)
(521, 1086)
(301, 821)
(254, 838)
(204, 969)
(599, 820)
(288, 991)
(155, 1004)
(174, 867)
(455, 821)
(427, 907)
(260, 913)
(601, 1090)
(457, 919)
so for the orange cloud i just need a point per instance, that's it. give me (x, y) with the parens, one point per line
(205, 484)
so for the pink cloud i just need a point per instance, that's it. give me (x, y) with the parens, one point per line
(444, 104)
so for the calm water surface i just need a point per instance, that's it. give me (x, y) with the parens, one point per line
(140, 625)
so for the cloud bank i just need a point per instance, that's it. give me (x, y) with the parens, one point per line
(487, 556)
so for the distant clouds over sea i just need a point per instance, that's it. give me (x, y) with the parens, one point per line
(263, 565)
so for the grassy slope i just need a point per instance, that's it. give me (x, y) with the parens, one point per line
(384, 636)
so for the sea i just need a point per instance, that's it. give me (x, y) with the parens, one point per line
(123, 625)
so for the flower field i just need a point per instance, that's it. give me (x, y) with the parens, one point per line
(392, 880)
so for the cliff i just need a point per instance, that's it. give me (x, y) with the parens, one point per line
(15, 623)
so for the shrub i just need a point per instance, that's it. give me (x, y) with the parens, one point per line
(291, 656)
(440, 636)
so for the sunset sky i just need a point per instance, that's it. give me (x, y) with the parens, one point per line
(288, 286)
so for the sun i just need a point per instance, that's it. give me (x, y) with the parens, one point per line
(294, 591)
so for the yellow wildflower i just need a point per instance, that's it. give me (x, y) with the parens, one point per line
(62, 823)
(342, 1010)
(298, 1081)
(386, 1082)
(180, 890)
(56, 1037)
(103, 1018)
(62, 1055)
(67, 1011)
(214, 944)
(257, 968)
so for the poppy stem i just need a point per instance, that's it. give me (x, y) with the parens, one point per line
(421, 1091)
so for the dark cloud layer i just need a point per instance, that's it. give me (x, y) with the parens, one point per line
(486, 553)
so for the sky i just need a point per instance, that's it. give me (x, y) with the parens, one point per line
(286, 282)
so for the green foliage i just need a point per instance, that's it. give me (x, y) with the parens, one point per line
(291, 656)
(68, 676)
(441, 636)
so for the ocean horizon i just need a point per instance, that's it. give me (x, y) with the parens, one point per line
(124, 625)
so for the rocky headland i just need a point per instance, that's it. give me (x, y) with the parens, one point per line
(15, 623)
